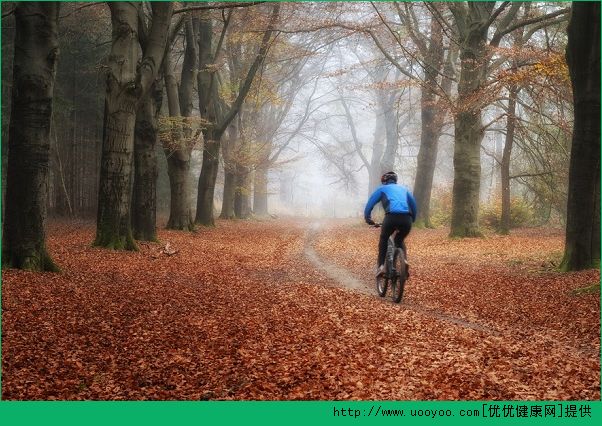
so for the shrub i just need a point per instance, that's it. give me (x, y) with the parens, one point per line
(521, 214)
(441, 206)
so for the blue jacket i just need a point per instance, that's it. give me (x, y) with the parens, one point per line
(395, 199)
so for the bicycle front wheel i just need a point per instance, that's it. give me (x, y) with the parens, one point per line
(399, 275)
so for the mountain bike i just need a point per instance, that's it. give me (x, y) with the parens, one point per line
(396, 272)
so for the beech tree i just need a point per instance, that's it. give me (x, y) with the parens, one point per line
(472, 22)
(34, 70)
(582, 247)
(425, 45)
(180, 138)
(128, 82)
(144, 197)
(218, 117)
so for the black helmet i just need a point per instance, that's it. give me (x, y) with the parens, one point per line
(388, 177)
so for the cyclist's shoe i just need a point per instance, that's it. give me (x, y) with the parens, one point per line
(380, 271)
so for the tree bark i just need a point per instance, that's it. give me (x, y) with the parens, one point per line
(427, 157)
(242, 193)
(180, 212)
(468, 126)
(62, 204)
(229, 172)
(243, 182)
(431, 125)
(208, 104)
(378, 148)
(260, 191)
(207, 178)
(582, 245)
(144, 200)
(229, 194)
(34, 70)
(128, 81)
(392, 141)
(113, 224)
(179, 149)
(505, 166)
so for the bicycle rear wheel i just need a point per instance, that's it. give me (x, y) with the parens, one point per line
(382, 284)
(399, 275)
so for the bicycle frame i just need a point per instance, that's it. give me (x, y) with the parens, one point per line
(395, 255)
(389, 258)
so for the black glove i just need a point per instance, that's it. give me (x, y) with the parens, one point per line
(370, 222)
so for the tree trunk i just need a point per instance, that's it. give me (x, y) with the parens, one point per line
(392, 141)
(189, 70)
(180, 212)
(582, 246)
(113, 228)
(260, 192)
(431, 123)
(242, 193)
(468, 136)
(144, 200)
(229, 194)
(208, 105)
(179, 148)
(242, 187)
(427, 157)
(128, 81)
(229, 172)
(378, 148)
(505, 167)
(62, 203)
(35, 60)
(204, 207)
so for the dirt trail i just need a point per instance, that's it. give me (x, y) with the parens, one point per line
(341, 276)
(347, 280)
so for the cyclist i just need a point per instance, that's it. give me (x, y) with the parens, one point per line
(400, 213)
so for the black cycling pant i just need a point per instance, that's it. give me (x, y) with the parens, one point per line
(401, 222)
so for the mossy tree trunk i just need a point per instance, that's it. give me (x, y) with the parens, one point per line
(34, 70)
(473, 25)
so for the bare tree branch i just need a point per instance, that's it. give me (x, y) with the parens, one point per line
(498, 36)
(217, 7)
(221, 127)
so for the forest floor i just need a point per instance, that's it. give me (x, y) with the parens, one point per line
(285, 309)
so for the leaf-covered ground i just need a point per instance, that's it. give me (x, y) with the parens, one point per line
(240, 312)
